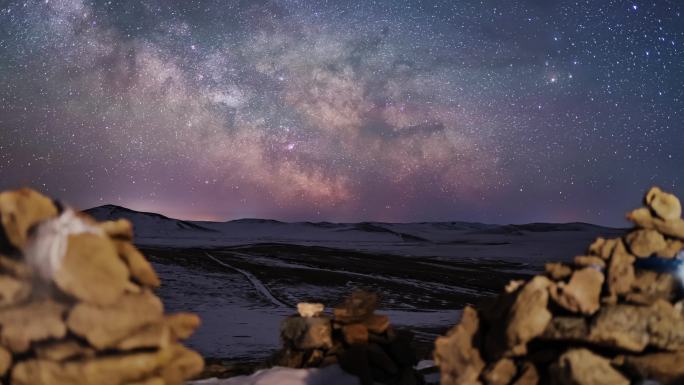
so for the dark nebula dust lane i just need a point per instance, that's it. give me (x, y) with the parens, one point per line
(493, 111)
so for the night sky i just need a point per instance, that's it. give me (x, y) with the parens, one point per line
(492, 111)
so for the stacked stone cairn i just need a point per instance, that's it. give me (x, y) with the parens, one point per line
(613, 316)
(363, 343)
(76, 302)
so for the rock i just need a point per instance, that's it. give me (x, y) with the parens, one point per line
(183, 364)
(557, 271)
(603, 247)
(355, 334)
(664, 367)
(149, 381)
(500, 373)
(63, 350)
(307, 333)
(140, 269)
(567, 329)
(457, 354)
(590, 261)
(377, 323)
(91, 270)
(182, 325)
(121, 229)
(379, 359)
(664, 205)
(105, 326)
(529, 376)
(15, 268)
(620, 270)
(582, 293)
(13, 291)
(5, 360)
(633, 328)
(642, 217)
(649, 286)
(310, 309)
(155, 335)
(674, 246)
(644, 243)
(34, 321)
(582, 367)
(357, 307)
(22, 209)
(107, 370)
(528, 316)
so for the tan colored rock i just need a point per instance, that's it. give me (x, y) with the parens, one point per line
(119, 229)
(665, 367)
(107, 370)
(184, 364)
(603, 247)
(456, 355)
(529, 375)
(5, 360)
(34, 321)
(63, 350)
(91, 270)
(15, 268)
(377, 323)
(141, 270)
(22, 209)
(583, 367)
(557, 271)
(642, 217)
(500, 372)
(355, 334)
(13, 291)
(620, 274)
(182, 325)
(674, 247)
(664, 205)
(633, 328)
(649, 286)
(528, 316)
(104, 326)
(590, 261)
(582, 293)
(644, 243)
(567, 329)
(149, 381)
(155, 335)
(307, 310)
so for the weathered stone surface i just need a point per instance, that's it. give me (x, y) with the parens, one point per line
(306, 333)
(15, 268)
(5, 360)
(104, 326)
(500, 372)
(377, 323)
(63, 350)
(620, 270)
(156, 335)
(182, 325)
(583, 367)
(664, 205)
(119, 229)
(557, 271)
(13, 291)
(306, 309)
(91, 270)
(357, 307)
(459, 360)
(34, 321)
(590, 261)
(109, 370)
(667, 367)
(149, 381)
(355, 334)
(582, 293)
(22, 209)
(183, 364)
(603, 247)
(528, 316)
(567, 329)
(642, 217)
(649, 286)
(633, 328)
(644, 243)
(529, 375)
(674, 246)
(140, 269)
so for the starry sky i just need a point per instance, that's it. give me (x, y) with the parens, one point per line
(496, 111)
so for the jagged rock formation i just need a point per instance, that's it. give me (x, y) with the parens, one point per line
(77, 304)
(361, 342)
(613, 316)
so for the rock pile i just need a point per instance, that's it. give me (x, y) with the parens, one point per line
(613, 316)
(361, 342)
(76, 302)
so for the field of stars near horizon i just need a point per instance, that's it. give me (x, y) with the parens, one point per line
(397, 110)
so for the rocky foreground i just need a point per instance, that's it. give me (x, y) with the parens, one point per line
(614, 316)
(76, 303)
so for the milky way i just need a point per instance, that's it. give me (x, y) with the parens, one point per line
(494, 111)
